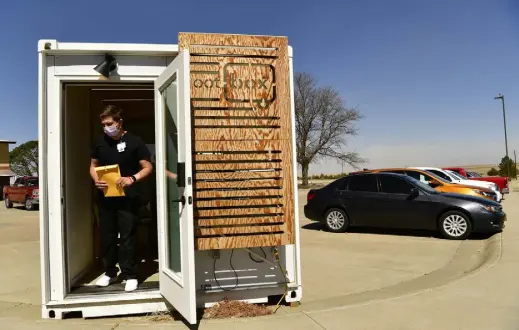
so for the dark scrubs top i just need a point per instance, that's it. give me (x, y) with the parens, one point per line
(105, 151)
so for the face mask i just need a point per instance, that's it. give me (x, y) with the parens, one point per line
(111, 130)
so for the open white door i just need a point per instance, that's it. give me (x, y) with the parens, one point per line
(174, 187)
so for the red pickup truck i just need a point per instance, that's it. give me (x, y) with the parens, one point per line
(24, 191)
(500, 181)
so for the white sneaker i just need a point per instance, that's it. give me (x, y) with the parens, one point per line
(106, 281)
(131, 285)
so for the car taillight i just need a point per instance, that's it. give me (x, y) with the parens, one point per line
(310, 196)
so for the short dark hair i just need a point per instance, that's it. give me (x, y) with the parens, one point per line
(112, 111)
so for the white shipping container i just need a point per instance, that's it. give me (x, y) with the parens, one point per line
(71, 92)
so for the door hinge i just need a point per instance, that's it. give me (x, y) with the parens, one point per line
(190, 200)
(189, 180)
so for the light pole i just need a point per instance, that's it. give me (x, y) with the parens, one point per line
(502, 97)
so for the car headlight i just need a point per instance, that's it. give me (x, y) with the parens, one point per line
(491, 208)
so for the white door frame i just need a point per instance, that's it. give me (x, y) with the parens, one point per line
(56, 229)
(178, 289)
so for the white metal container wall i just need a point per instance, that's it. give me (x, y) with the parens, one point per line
(65, 62)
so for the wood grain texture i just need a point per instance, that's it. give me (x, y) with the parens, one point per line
(236, 175)
(238, 221)
(248, 229)
(212, 122)
(222, 203)
(237, 166)
(242, 157)
(236, 242)
(241, 146)
(242, 143)
(248, 193)
(260, 183)
(235, 213)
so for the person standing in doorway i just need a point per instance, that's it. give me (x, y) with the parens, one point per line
(119, 215)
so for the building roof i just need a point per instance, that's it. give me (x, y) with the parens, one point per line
(8, 141)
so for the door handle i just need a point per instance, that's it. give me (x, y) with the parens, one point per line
(181, 200)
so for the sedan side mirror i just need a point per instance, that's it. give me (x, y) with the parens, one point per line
(414, 193)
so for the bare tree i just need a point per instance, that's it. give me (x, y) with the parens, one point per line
(323, 124)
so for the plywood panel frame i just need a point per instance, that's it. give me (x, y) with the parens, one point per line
(242, 143)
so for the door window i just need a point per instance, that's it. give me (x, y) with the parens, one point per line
(419, 176)
(441, 175)
(393, 185)
(367, 183)
(174, 193)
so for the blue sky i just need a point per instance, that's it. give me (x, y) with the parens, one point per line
(423, 73)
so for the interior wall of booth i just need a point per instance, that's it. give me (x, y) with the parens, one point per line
(79, 214)
(81, 125)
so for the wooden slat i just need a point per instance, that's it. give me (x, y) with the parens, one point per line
(237, 242)
(239, 221)
(196, 60)
(263, 183)
(233, 213)
(249, 193)
(227, 121)
(264, 156)
(231, 114)
(238, 202)
(230, 231)
(237, 166)
(236, 175)
(258, 145)
(233, 51)
(269, 113)
(185, 40)
(211, 134)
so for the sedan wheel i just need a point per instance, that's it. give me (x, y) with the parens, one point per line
(455, 225)
(336, 220)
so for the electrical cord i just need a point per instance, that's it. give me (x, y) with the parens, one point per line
(232, 267)
(258, 261)
(276, 256)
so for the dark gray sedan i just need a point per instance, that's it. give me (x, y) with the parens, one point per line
(388, 200)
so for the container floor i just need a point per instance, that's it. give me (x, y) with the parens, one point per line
(148, 280)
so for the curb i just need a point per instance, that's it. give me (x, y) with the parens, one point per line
(470, 258)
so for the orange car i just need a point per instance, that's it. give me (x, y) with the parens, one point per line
(440, 184)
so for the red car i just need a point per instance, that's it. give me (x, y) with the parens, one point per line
(500, 181)
(24, 191)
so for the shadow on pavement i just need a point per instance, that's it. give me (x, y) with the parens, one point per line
(394, 232)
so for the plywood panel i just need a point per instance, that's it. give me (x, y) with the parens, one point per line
(233, 230)
(236, 175)
(232, 242)
(233, 194)
(237, 166)
(222, 203)
(242, 150)
(259, 183)
(239, 221)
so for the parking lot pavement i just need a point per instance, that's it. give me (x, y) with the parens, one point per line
(361, 261)
(334, 266)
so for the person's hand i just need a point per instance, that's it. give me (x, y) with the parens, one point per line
(124, 182)
(171, 175)
(101, 185)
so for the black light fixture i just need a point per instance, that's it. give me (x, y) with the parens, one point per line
(107, 66)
